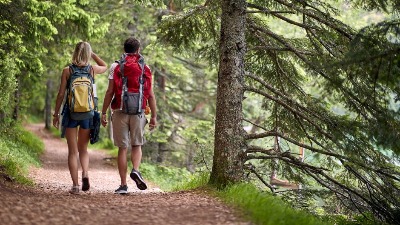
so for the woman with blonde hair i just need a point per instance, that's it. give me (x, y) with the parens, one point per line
(77, 138)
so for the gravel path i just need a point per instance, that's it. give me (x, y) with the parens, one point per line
(50, 203)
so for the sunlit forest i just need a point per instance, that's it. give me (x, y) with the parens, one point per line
(299, 98)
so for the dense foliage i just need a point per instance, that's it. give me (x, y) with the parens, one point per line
(318, 85)
(185, 88)
(34, 36)
(315, 81)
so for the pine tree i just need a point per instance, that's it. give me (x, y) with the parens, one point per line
(326, 88)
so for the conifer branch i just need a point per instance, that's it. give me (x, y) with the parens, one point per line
(289, 100)
(190, 63)
(291, 140)
(268, 46)
(313, 171)
(253, 148)
(314, 43)
(312, 34)
(285, 157)
(352, 98)
(288, 78)
(253, 25)
(329, 153)
(261, 135)
(376, 206)
(309, 137)
(254, 124)
(285, 105)
(341, 191)
(283, 49)
(278, 15)
(321, 17)
(269, 12)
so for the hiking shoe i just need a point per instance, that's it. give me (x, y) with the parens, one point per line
(74, 190)
(123, 189)
(85, 184)
(137, 177)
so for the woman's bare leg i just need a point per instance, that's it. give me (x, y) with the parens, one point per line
(71, 136)
(83, 141)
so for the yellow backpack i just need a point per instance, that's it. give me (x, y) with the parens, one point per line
(81, 102)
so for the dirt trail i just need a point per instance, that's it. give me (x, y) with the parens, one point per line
(50, 203)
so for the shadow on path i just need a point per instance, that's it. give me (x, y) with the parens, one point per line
(50, 203)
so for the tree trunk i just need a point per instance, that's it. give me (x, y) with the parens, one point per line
(190, 159)
(229, 143)
(161, 84)
(47, 110)
(17, 95)
(162, 150)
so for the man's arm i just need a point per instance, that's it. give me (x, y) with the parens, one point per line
(152, 105)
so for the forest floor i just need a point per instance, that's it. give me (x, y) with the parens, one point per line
(48, 201)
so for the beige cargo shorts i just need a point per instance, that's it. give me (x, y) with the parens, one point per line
(128, 129)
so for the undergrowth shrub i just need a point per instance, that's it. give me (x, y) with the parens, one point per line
(19, 149)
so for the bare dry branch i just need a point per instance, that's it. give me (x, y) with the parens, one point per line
(252, 169)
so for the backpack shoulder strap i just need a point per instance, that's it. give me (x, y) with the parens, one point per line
(141, 81)
(121, 62)
(141, 62)
(90, 70)
(72, 69)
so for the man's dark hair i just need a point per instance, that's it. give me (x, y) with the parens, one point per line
(131, 45)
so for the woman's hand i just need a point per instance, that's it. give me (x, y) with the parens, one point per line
(56, 121)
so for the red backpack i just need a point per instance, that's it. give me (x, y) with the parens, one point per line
(132, 82)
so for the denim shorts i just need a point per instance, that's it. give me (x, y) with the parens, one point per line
(84, 124)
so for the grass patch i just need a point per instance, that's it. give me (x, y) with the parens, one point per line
(164, 177)
(264, 208)
(19, 149)
(55, 132)
(259, 207)
(106, 144)
(193, 181)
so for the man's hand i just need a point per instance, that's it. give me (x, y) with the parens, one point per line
(104, 120)
(153, 123)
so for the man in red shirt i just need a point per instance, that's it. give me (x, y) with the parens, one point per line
(129, 129)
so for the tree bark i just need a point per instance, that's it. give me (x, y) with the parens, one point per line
(49, 92)
(17, 96)
(229, 146)
(161, 84)
(162, 150)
